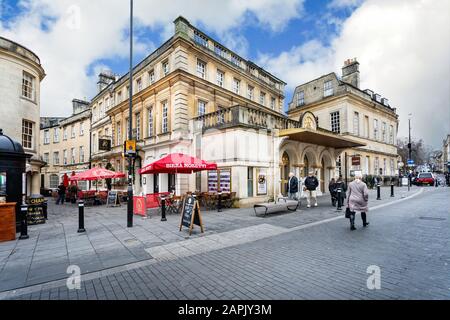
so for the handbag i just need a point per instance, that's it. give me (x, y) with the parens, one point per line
(348, 213)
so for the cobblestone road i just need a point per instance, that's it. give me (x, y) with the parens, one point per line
(408, 241)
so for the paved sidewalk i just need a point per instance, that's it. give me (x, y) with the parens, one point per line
(108, 243)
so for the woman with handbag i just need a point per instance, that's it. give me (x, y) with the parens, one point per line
(358, 200)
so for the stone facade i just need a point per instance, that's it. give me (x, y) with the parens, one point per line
(65, 145)
(340, 106)
(20, 76)
(446, 154)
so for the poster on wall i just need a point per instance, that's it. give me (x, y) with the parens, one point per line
(212, 181)
(225, 180)
(262, 182)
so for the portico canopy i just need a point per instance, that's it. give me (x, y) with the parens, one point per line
(321, 138)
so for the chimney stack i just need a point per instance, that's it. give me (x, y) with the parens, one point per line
(350, 72)
(105, 78)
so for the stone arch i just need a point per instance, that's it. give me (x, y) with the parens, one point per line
(327, 169)
(309, 160)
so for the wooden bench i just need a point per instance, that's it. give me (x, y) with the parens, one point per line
(282, 205)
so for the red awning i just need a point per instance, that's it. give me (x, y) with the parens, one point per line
(178, 163)
(97, 174)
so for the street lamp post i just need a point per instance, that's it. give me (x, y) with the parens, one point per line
(409, 151)
(130, 131)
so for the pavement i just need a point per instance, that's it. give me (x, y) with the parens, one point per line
(154, 260)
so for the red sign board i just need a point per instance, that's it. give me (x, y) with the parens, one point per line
(139, 206)
(356, 161)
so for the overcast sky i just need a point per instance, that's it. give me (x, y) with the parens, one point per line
(402, 45)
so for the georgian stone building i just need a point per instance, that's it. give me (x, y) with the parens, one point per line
(21, 74)
(446, 154)
(195, 96)
(364, 116)
(65, 145)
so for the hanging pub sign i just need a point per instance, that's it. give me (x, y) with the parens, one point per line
(262, 183)
(191, 215)
(356, 161)
(113, 199)
(104, 144)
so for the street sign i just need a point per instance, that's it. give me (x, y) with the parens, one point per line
(130, 148)
(410, 162)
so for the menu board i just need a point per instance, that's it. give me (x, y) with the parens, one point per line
(35, 215)
(220, 179)
(113, 199)
(191, 215)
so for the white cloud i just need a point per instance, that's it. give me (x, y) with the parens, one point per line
(339, 4)
(82, 32)
(404, 52)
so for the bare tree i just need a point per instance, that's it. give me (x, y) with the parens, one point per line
(420, 151)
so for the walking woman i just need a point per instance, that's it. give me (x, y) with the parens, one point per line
(358, 200)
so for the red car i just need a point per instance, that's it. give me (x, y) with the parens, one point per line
(425, 178)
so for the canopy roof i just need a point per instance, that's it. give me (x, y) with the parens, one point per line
(178, 163)
(321, 138)
(97, 174)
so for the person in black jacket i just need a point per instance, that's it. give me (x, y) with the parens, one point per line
(342, 195)
(292, 187)
(61, 194)
(332, 189)
(311, 184)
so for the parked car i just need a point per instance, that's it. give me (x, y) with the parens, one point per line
(425, 178)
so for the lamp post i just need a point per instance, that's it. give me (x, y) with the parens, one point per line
(409, 151)
(130, 131)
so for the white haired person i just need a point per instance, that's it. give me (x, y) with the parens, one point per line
(358, 200)
(292, 187)
(311, 184)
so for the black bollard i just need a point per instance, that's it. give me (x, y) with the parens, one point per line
(44, 208)
(339, 195)
(219, 202)
(163, 209)
(378, 192)
(392, 190)
(81, 228)
(23, 222)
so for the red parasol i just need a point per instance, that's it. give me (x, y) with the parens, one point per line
(178, 163)
(97, 174)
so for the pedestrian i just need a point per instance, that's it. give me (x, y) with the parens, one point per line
(61, 194)
(332, 189)
(292, 187)
(358, 200)
(311, 184)
(341, 192)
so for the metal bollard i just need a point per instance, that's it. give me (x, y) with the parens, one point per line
(378, 192)
(163, 209)
(23, 222)
(392, 190)
(339, 192)
(45, 208)
(219, 202)
(81, 228)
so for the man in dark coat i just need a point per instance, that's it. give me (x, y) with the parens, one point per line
(340, 196)
(61, 194)
(292, 187)
(311, 184)
(332, 189)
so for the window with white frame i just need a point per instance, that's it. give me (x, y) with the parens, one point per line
(301, 98)
(335, 122)
(65, 133)
(72, 131)
(384, 167)
(56, 158)
(201, 108)
(165, 117)
(356, 123)
(72, 156)
(46, 157)
(165, 68)
(150, 131)
(250, 92)
(139, 85)
(81, 128)
(328, 88)
(262, 98)
(138, 126)
(54, 181)
(65, 157)
(119, 97)
(383, 132)
(28, 83)
(272, 103)
(391, 134)
(118, 133)
(375, 129)
(201, 69)
(56, 135)
(47, 137)
(81, 154)
(151, 77)
(27, 134)
(220, 78)
(236, 86)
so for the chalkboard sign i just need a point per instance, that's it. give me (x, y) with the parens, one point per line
(113, 199)
(191, 215)
(35, 215)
